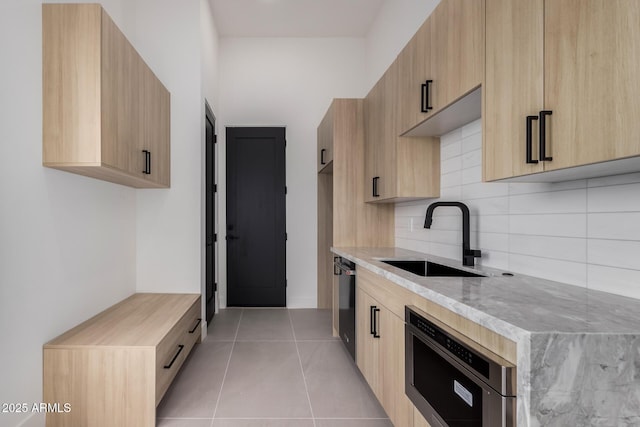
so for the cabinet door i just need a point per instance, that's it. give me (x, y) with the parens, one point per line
(367, 347)
(325, 139)
(415, 68)
(457, 51)
(156, 127)
(394, 400)
(121, 101)
(387, 154)
(591, 83)
(513, 87)
(373, 136)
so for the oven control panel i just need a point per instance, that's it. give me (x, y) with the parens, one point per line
(452, 346)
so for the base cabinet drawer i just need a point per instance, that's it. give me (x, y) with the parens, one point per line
(114, 368)
(174, 349)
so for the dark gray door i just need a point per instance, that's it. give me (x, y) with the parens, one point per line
(210, 212)
(256, 232)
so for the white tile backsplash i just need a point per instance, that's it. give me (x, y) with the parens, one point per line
(583, 232)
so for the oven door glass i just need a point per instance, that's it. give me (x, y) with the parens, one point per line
(456, 398)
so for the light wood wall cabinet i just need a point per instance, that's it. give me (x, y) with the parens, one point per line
(396, 168)
(105, 114)
(344, 219)
(380, 353)
(441, 65)
(560, 75)
(115, 368)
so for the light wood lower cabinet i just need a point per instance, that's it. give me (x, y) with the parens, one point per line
(380, 311)
(114, 369)
(380, 355)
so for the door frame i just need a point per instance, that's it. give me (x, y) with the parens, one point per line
(209, 115)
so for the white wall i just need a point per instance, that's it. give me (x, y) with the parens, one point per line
(168, 36)
(67, 243)
(585, 232)
(395, 24)
(288, 82)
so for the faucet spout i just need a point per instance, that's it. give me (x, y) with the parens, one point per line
(468, 254)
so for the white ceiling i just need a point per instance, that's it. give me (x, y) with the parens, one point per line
(294, 18)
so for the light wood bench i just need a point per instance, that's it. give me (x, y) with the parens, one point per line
(115, 368)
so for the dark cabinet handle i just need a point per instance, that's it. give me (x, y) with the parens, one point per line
(147, 162)
(372, 320)
(322, 162)
(180, 347)
(375, 322)
(543, 135)
(195, 326)
(424, 97)
(375, 186)
(530, 120)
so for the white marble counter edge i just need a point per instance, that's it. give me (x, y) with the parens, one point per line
(488, 321)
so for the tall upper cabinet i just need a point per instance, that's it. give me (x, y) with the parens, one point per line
(105, 113)
(344, 219)
(440, 67)
(561, 86)
(396, 168)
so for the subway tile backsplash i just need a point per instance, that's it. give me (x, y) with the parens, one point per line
(584, 232)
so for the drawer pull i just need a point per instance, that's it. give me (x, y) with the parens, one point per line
(180, 347)
(196, 326)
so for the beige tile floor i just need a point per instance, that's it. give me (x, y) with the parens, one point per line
(270, 368)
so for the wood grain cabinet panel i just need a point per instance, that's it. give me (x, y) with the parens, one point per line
(102, 105)
(344, 219)
(396, 168)
(115, 368)
(575, 60)
(457, 51)
(380, 355)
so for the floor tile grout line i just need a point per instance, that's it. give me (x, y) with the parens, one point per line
(226, 370)
(304, 378)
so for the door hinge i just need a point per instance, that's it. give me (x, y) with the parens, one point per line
(215, 139)
(286, 236)
(215, 286)
(215, 188)
(215, 237)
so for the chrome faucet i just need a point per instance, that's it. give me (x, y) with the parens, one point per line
(468, 254)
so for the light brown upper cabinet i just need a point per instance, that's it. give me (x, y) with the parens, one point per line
(325, 143)
(441, 66)
(105, 114)
(561, 88)
(396, 168)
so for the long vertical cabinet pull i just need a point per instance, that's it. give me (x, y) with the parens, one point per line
(375, 322)
(147, 162)
(372, 322)
(322, 162)
(530, 120)
(543, 135)
(424, 97)
(375, 186)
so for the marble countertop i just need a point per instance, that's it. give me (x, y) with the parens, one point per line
(513, 306)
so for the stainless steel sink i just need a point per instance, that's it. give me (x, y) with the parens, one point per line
(429, 269)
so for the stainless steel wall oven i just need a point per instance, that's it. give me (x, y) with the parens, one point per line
(453, 381)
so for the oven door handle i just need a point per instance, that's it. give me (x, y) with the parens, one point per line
(345, 269)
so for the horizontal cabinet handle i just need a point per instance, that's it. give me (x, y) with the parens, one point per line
(196, 326)
(180, 348)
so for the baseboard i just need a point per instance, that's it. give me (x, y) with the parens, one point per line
(301, 302)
